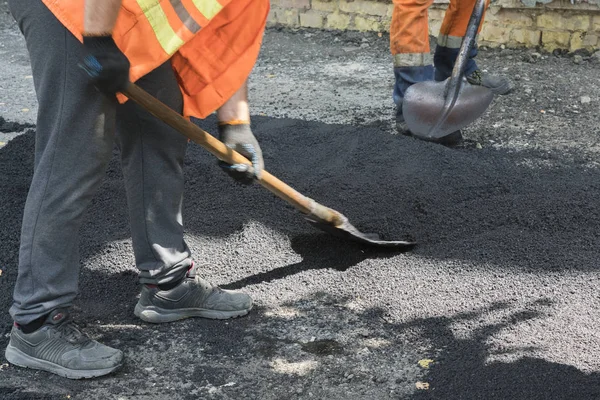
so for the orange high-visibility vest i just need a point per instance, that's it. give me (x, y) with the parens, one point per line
(212, 44)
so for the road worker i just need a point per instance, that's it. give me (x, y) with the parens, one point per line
(195, 56)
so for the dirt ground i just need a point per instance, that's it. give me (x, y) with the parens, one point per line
(499, 300)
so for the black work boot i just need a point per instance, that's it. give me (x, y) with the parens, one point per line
(497, 84)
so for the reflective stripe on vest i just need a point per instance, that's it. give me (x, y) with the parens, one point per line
(185, 16)
(169, 39)
(208, 8)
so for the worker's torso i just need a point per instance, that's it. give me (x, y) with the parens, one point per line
(213, 44)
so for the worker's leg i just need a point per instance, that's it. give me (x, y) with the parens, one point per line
(152, 157)
(74, 140)
(452, 31)
(454, 28)
(409, 44)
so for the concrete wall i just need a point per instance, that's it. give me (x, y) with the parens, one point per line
(514, 23)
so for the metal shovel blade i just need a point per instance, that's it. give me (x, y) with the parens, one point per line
(428, 114)
(346, 230)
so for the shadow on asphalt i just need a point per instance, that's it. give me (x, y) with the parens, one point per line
(318, 251)
(463, 372)
(460, 346)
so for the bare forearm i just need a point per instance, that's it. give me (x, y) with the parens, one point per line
(100, 16)
(236, 108)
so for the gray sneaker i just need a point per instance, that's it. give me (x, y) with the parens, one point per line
(59, 347)
(194, 297)
(497, 84)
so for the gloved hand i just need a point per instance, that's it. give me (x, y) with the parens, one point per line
(105, 64)
(239, 137)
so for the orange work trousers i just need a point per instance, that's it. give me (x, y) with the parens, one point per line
(409, 32)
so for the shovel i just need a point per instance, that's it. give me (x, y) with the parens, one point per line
(433, 110)
(316, 214)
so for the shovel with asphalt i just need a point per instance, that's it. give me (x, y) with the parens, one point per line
(433, 110)
(316, 214)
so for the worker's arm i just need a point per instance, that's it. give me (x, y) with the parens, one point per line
(100, 17)
(105, 64)
(236, 108)
(235, 132)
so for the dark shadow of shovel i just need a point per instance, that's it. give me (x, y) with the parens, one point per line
(433, 110)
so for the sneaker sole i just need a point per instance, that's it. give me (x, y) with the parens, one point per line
(20, 359)
(157, 315)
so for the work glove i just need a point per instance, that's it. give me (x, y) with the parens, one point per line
(106, 66)
(239, 137)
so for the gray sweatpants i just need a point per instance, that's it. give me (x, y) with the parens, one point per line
(76, 131)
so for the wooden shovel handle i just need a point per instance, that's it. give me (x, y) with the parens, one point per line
(302, 203)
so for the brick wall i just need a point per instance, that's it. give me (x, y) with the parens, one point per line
(514, 23)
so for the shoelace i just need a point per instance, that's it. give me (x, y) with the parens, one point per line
(72, 333)
(475, 78)
(204, 284)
